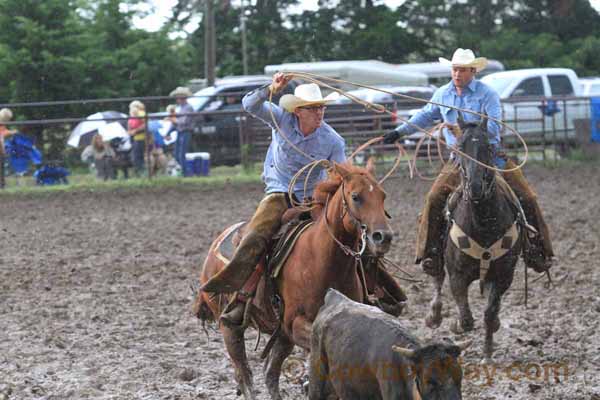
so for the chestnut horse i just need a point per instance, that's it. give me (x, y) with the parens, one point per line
(349, 211)
(484, 237)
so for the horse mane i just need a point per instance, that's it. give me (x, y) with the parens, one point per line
(328, 187)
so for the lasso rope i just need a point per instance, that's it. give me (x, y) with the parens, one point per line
(378, 108)
(381, 109)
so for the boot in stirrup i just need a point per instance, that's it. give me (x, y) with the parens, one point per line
(233, 317)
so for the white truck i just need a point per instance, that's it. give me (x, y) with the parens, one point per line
(540, 103)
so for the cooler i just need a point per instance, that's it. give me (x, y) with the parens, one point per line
(595, 119)
(197, 164)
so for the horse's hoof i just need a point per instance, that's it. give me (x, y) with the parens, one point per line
(433, 322)
(457, 326)
(495, 325)
(487, 360)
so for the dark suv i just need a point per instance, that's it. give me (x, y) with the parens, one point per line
(218, 130)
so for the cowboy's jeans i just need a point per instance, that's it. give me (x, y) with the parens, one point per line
(528, 198)
(431, 219)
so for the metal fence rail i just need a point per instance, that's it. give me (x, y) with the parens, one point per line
(234, 137)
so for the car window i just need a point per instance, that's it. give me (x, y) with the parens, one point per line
(201, 97)
(499, 84)
(560, 85)
(529, 87)
(594, 89)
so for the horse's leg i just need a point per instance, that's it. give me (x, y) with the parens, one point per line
(495, 290)
(459, 286)
(301, 328)
(281, 349)
(236, 347)
(434, 317)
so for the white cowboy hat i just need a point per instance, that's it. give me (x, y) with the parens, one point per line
(305, 95)
(465, 58)
(181, 91)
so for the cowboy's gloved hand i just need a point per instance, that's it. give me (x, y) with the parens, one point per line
(392, 136)
(499, 156)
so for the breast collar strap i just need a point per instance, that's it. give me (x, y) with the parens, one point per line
(485, 256)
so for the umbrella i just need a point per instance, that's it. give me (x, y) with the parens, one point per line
(85, 130)
(112, 130)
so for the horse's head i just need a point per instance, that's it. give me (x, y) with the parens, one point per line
(362, 200)
(478, 181)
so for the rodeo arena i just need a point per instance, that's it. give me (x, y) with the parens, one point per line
(402, 242)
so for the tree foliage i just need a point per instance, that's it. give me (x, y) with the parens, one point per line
(69, 49)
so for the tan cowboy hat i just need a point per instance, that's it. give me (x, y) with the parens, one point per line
(305, 95)
(5, 115)
(465, 58)
(181, 91)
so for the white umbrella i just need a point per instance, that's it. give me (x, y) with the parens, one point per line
(85, 130)
(112, 130)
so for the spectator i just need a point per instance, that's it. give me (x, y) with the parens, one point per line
(136, 127)
(103, 158)
(5, 116)
(184, 124)
(122, 149)
(158, 160)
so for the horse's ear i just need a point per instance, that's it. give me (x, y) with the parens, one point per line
(460, 120)
(341, 169)
(483, 123)
(371, 166)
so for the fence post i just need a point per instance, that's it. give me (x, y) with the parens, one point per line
(149, 144)
(2, 182)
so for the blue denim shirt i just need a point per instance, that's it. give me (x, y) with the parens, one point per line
(477, 96)
(283, 161)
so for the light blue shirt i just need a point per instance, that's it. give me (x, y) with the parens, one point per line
(283, 161)
(477, 96)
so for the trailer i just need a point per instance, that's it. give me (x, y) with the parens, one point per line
(365, 72)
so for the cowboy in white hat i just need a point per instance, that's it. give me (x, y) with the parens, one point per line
(184, 123)
(299, 117)
(466, 92)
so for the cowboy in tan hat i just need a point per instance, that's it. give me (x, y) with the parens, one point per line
(464, 91)
(184, 123)
(299, 117)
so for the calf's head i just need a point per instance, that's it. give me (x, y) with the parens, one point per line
(436, 369)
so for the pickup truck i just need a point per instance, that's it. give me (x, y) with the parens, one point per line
(540, 103)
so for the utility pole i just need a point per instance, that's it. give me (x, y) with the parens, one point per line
(209, 42)
(244, 40)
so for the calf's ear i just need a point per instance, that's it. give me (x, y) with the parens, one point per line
(408, 353)
(464, 344)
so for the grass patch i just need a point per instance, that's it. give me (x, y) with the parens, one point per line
(88, 182)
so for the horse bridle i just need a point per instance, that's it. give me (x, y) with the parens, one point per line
(487, 190)
(362, 228)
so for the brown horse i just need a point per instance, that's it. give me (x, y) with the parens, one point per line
(349, 208)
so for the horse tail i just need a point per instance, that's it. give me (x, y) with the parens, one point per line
(208, 306)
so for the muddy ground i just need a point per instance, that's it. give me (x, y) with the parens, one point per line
(95, 297)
